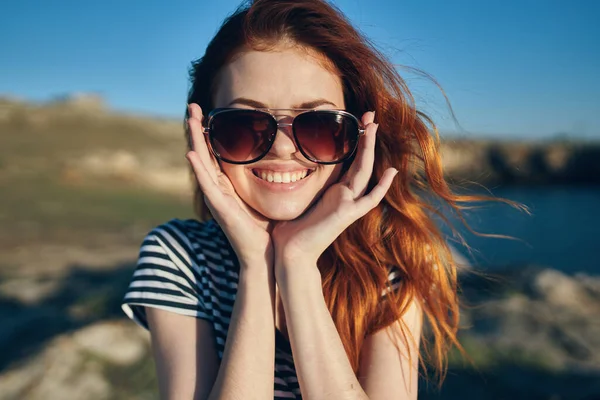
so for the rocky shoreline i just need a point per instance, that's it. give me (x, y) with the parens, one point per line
(522, 163)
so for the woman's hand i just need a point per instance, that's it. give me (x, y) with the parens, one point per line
(303, 240)
(245, 229)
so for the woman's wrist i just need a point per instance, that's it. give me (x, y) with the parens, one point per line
(259, 262)
(290, 270)
(257, 265)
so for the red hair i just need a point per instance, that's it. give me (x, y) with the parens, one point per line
(400, 232)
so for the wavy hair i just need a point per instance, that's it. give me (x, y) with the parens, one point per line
(401, 231)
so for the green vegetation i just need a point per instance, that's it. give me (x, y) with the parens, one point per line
(486, 356)
(136, 381)
(45, 198)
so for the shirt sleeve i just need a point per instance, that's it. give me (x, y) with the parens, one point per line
(167, 277)
(394, 281)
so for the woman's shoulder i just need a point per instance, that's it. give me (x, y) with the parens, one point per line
(177, 271)
(194, 241)
(185, 227)
(189, 235)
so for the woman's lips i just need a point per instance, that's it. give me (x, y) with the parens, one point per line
(281, 186)
(281, 176)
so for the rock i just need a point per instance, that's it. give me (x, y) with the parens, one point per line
(119, 164)
(112, 342)
(561, 290)
(539, 316)
(59, 372)
(145, 169)
(72, 366)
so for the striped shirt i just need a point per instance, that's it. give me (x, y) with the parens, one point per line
(188, 267)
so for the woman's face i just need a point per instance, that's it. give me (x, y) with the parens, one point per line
(283, 78)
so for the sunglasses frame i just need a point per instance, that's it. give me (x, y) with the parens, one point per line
(268, 111)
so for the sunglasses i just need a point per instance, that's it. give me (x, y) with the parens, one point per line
(244, 136)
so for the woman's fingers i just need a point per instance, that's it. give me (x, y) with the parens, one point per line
(361, 169)
(371, 200)
(368, 118)
(208, 186)
(199, 144)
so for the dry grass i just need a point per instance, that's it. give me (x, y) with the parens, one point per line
(45, 199)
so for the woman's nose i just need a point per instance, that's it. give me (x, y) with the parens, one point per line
(284, 144)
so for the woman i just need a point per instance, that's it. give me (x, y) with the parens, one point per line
(309, 156)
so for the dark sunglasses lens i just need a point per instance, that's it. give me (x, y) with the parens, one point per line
(326, 136)
(241, 135)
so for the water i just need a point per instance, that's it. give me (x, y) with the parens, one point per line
(562, 232)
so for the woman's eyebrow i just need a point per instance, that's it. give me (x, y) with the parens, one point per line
(257, 104)
(315, 103)
(247, 102)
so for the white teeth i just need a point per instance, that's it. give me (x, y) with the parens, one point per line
(281, 177)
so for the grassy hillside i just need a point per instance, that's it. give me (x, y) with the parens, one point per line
(50, 194)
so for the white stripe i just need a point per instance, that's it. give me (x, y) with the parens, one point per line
(393, 274)
(160, 296)
(281, 393)
(151, 248)
(153, 284)
(155, 261)
(177, 310)
(287, 380)
(286, 368)
(391, 288)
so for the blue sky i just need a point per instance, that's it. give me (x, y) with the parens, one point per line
(513, 68)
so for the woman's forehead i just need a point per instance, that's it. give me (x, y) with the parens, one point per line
(278, 78)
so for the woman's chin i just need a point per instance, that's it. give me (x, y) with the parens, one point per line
(282, 212)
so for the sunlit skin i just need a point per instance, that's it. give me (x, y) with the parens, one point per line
(287, 78)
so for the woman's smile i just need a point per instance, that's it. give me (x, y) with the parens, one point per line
(279, 176)
(282, 179)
